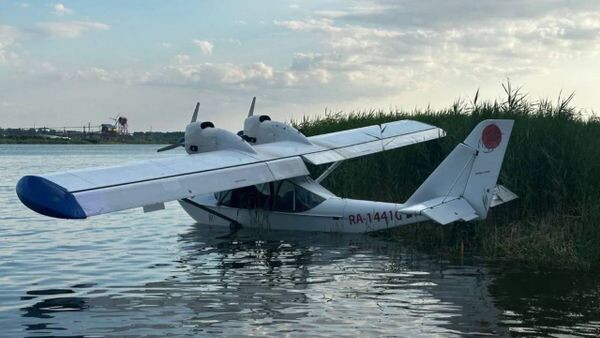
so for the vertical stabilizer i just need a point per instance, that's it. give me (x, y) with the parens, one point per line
(468, 174)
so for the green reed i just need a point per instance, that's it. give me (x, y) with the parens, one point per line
(552, 163)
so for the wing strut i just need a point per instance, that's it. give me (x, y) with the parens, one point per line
(210, 211)
(328, 171)
(234, 226)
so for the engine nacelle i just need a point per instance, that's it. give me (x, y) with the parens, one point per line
(260, 129)
(201, 137)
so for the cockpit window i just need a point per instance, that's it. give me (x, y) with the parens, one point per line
(306, 200)
(284, 196)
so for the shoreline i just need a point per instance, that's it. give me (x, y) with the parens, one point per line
(167, 139)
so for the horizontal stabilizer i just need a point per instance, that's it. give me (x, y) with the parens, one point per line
(502, 195)
(444, 210)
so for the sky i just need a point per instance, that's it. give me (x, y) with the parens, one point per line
(71, 63)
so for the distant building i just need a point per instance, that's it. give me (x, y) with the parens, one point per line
(107, 128)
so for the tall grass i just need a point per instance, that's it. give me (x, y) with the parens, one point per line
(552, 163)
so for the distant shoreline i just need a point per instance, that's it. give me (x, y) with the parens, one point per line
(136, 138)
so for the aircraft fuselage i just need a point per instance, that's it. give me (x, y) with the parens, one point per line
(332, 214)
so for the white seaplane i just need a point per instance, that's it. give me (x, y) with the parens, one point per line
(230, 180)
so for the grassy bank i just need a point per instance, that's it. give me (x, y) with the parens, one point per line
(552, 163)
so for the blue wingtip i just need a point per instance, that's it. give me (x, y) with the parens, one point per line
(48, 198)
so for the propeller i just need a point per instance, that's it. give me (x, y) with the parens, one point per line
(251, 111)
(195, 116)
(181, 141)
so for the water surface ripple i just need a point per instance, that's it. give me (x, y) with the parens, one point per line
(159, 274)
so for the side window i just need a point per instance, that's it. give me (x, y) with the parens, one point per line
(284, 196)
(244, 198)
(264, 196)
(306, 200)
(256, 196)
(290, 197)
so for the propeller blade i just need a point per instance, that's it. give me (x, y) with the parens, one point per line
(251, 111)
(195, 116)
(169, 147)
(172, 146)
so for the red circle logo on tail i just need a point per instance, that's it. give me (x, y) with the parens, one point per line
(491, 136)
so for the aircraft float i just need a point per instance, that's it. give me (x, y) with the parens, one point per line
(258, 178)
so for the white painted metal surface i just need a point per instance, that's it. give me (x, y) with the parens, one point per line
(268, 131)
(444, 210)
(502, 195)
(338, 146)
(84, 179)
(368, 140)
(333, 215)
(200, 138)
(463, 187)
(104, 190)
(470, 171)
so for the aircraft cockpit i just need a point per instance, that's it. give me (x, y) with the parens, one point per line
(290, 195)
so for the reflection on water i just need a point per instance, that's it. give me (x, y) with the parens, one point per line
(305, 284)
(333, 285)
(158, 274)
(278, 283)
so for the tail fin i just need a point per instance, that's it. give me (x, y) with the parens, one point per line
(462, 186)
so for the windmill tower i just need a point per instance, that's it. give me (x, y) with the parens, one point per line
(120, 125)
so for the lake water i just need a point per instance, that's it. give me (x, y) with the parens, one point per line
(160, 274)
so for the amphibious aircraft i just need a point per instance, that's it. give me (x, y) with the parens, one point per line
(258, 178)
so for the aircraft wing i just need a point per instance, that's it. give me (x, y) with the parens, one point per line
(369, 140)
(346, 144)
(88, 192)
